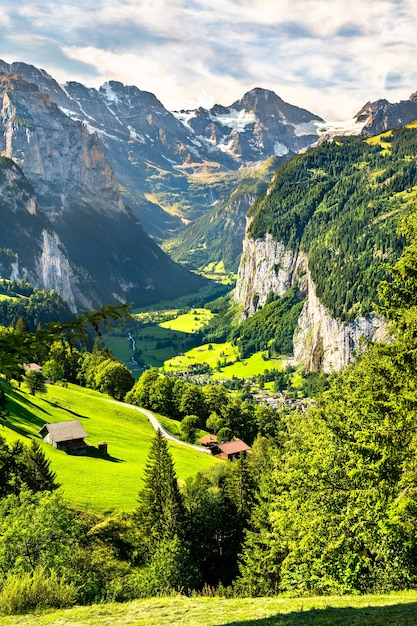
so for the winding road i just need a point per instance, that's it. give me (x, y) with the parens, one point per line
(157, 426)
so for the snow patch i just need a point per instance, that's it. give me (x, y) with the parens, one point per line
(236, 120)
(109, 93)
(280, 149)
(315, 127)
(184, 117)
(135, 135)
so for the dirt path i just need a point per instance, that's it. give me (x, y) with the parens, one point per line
(157, 426)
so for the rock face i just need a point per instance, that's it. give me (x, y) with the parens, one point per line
(321, 343)
(32, 251)
(64, 223)
(266, 266)
(378, 116)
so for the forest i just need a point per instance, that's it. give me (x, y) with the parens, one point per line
(340, 204)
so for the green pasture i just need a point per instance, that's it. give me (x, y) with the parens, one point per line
(157, 342)
(256, 364)
(91, 482)
(211, 353)
(216, 271)
(399, 609)
(191, 322)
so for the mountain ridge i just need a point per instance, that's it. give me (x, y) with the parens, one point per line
(83, 241)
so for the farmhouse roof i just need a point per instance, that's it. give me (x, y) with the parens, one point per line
(208, 439)
(232, 447)
(64, 431)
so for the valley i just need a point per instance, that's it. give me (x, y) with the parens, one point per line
(244, 274)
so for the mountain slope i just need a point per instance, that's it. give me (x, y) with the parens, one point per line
(82, 240)
(218, 234)
(328, 223)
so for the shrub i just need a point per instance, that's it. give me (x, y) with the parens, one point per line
(40, 589)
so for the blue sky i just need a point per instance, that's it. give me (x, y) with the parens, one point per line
(329, 56)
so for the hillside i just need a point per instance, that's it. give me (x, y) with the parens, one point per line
(91, 482)
(398, 609)
(340, 204)
(218, 234)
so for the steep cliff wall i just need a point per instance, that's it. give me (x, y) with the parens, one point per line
(266, 266)
(320, 341)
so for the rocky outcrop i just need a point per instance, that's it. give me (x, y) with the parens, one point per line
(381, 115)
(266, 266)
(321, 342)
(64, 223)
(54, 267)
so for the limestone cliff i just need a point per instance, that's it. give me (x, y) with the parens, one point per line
(266, 266)
(320, 341)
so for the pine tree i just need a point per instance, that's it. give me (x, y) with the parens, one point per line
(160, 514)
(38, 474)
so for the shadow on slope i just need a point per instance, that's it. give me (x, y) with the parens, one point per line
(395, 615)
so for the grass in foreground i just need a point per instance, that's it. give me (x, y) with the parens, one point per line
(395, 609)
(91, 482)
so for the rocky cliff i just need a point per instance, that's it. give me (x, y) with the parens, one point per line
(266, 266)
(64, 223)
(321, 342)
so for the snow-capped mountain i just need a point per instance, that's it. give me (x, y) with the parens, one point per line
(174, 167)
(64, 223)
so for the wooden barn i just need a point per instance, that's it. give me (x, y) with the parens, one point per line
(231, 450)
(208, 441)
(66, 436)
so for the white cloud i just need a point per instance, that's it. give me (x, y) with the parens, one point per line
(329, 56)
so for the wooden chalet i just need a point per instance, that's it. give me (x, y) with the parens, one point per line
(231, 450)
(66, 436)
(208, 441)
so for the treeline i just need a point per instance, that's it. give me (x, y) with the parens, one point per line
(272, 328)
(208, 407)
(19, 300)
(340, 203)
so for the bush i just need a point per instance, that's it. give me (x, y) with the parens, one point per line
(40, 589)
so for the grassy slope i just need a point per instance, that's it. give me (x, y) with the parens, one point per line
(396, 609)
(91, 482)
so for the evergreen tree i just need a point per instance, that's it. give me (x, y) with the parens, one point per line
(38, 474)
(35, 381)
(160, 514)
(22, 326)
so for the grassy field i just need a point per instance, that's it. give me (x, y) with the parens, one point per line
(190, 322)
(91, 482)
(158, 342)
(210, 353)
(257, 363)
(396, 610)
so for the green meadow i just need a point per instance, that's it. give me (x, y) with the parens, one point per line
(399, 609)
(211, 353)
(191, 322)
(160, 341)
(257, 363)
(92, 482)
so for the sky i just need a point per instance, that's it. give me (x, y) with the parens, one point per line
(328, 56)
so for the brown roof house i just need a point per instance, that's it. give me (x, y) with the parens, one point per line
(209, 441)
(231, 450)
(66, 436)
